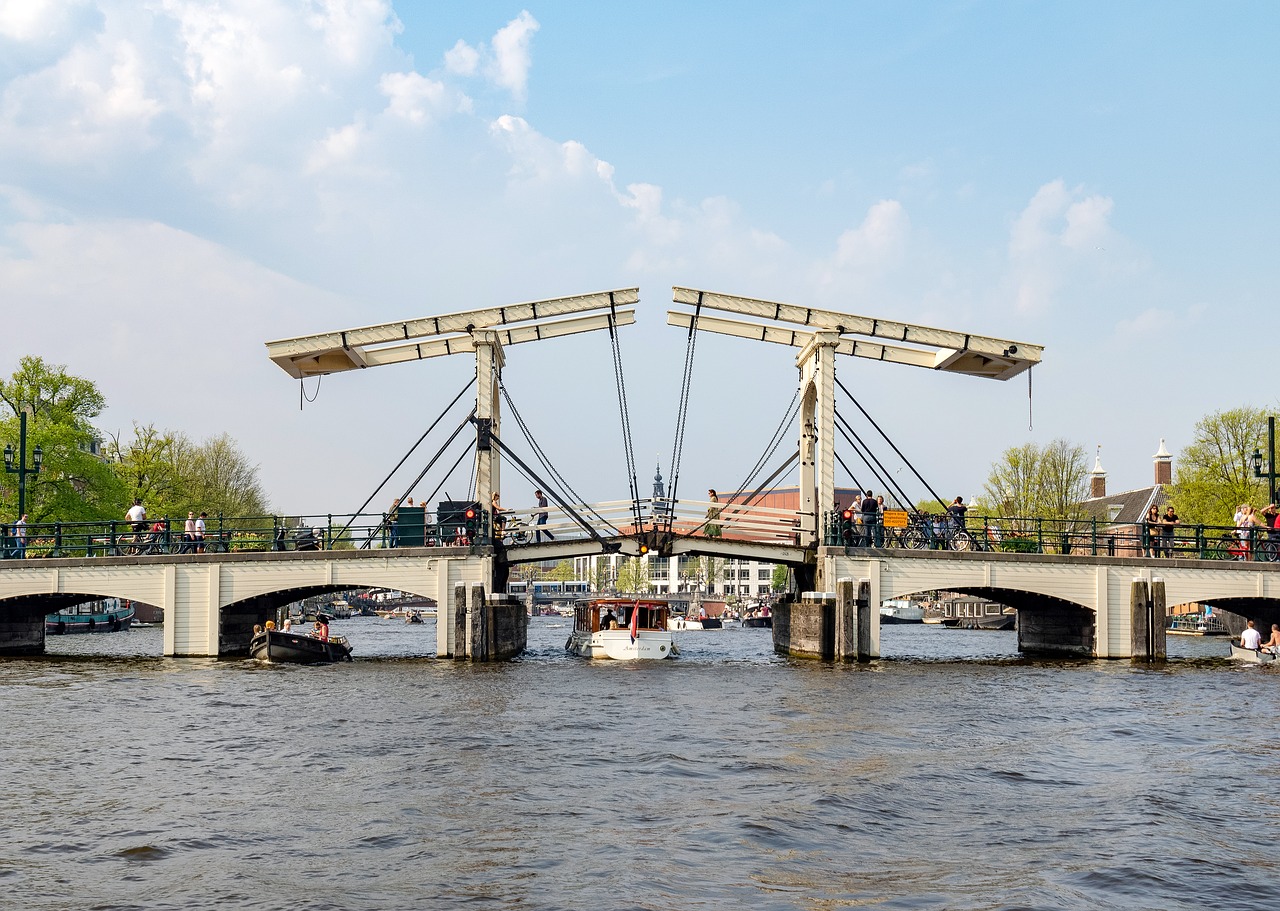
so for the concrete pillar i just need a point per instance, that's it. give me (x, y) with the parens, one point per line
(808, 628)
(478, 641)
(489, 361)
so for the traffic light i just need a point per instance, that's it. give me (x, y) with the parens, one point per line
(846, 527)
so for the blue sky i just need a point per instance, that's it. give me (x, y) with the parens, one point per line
(182, 181)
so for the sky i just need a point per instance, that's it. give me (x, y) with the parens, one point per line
(182, 181)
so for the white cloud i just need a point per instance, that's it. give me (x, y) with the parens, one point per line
(1052, 238)
(415, 98)
(462, 59)
(511, 57)
(878, 242)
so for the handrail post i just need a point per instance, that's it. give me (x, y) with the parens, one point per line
(328, 534)
(57, 539)
(1039, 535)
(1093, 536)
(114, 545)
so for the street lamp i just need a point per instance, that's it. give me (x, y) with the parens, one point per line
(21, 469)
(1270, 473)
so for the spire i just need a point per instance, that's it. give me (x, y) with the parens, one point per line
(1163, 465)
(1097, 478)
(659, 492)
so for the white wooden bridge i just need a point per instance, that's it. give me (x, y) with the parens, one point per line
(1073, 603)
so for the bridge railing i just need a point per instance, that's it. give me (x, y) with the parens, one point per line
(728, 520)
(1082, 536)
(229, 534)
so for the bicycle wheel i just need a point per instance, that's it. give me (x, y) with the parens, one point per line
(961, 540)
(914, 539)
(521, 536)
(1223, 548)
(1267, 551)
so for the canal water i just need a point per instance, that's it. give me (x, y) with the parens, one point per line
(952, 774)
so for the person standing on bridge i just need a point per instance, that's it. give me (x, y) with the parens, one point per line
(20, 537)
(199, 537)
(955, 512)
(1168, 524)
(138, 516)
(870, 516)
(713, 515)
(541, 519)
(393, 516)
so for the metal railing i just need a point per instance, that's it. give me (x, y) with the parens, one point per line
(1083, 537)
(227, 534)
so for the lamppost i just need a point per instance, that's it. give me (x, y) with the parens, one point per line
(21, 470)
(1270, 474)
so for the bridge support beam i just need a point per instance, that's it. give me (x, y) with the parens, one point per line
(22, 629)
(817, 363)
(1147, 620)
(829, 626)
(486, 628)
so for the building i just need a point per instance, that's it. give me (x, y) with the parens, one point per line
(1125, 511)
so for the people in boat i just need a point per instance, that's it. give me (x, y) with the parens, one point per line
(1272, 645)
(288, 625)
(1250, 638)
(321, 630)
(257, 630)
(609, 620)
(271, 624)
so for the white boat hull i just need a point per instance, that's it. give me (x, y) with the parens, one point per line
(1252, 656)
(617, 645)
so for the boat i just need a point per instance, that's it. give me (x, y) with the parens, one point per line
(967, 612)
(685, 623)
(758, 620)
(277, 645)
(640, 630)
(1195, 625)
(1251, 655)
(414, 617)
(901, 612)
(108, 616)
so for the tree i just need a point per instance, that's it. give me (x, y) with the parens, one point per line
(1046, 482)
(1214, 474)
(632, 576)
(562, 572)
(75, 482)
(781, 578)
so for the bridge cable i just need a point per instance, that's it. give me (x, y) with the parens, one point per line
(546, 462)
(677, 447)
(627, 446)
(405, 458)
(386, 521)
(868, 457)
(766, 486)
(532, 476)
(905, 460)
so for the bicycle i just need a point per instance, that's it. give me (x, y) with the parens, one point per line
(515, 531)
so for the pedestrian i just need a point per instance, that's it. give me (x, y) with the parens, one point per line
(393, 518)
(499, 521)
(879, 521)
(20, 537)
(541, 518)
(137, 515)
(189, 534)
(869, 517)
(199, 536)
(955, 512)
(713, 515)
(1168, 523)
(1152, 529)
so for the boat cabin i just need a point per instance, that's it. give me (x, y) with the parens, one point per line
(600, 614)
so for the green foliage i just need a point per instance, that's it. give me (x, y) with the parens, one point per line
(1019, 545)
(1214, 474)
(632, 576)
(781, 578)
(1031, 480)
(73, 485)
(562, 572)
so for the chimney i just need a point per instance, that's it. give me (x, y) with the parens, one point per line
(1164, 465)
(1097, 479)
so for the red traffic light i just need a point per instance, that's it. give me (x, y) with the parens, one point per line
(847, 514)
(471, 513)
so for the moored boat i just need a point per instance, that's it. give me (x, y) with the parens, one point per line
(277, 645)
(676, 624)
(901, 612)
(624, 629)
(1251, 655)
(108, 616)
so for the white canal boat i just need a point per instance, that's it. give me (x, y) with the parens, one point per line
(624, 629)
(1251, 655)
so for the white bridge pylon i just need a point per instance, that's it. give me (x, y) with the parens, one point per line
(827, 333)
(484, 332)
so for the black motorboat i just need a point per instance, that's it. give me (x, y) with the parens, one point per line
(276, 645)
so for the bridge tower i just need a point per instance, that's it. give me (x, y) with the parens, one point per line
(827, 333)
